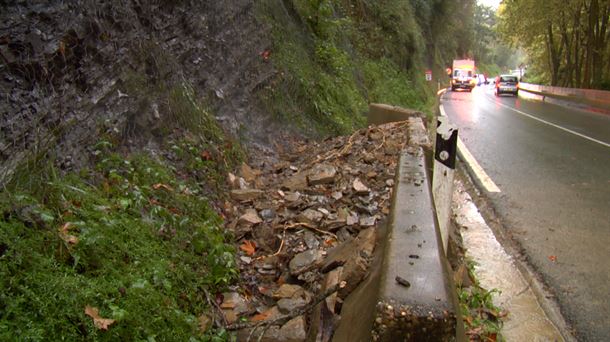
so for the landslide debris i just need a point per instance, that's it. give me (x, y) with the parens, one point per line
(306, 224)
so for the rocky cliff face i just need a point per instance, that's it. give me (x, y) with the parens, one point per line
(72, 70)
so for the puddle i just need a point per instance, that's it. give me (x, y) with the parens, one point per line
(526, 321)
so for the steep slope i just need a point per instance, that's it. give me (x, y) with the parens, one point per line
(75, 69)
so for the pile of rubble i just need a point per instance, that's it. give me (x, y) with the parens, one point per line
(306, 227)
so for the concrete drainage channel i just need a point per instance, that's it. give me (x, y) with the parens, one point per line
(409, 295)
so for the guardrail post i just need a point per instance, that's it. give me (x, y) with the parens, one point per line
(445, 152)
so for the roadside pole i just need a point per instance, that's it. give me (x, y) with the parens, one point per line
(445, 152)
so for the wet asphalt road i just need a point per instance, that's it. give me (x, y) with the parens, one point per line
(555, 193)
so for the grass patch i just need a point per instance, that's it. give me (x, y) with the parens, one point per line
(482, 319)
(130, 239)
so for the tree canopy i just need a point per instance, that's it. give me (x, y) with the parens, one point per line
(566, 40)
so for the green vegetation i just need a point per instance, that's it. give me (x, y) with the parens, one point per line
(492, 56)
(335, 57)
(481, 317)
(135, 237)
(566, 40)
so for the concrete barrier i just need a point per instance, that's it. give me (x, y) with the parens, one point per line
(589, 98)
(410, 295)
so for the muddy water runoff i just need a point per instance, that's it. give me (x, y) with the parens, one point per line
(526, 321)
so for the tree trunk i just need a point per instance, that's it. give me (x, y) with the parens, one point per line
(553, 55)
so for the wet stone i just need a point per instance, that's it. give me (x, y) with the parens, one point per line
(293, 330)
(233, 306)
(351, 220)
(308, 277)
(311, 240)
(367, 221)
(343, 234)
(324, 211)
(245, 194)
(332, 225)
(267, 214)
(286, 305)
(250, 218)
(305, 261)
(360, 188)
(310, 216)
(287, 291)
(248, 173)
(292, 196)
(296, 182)
(322, 174)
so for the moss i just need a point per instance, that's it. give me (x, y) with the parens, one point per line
(147, 247)
(334, 60)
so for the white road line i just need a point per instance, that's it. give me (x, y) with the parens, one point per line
(442, 109)
(478, 171)
(554, 125)
(474, 166)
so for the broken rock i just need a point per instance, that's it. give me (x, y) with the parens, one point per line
(322, 174)
(310, 216)
(268, 214)
(286, 305)
(305, 261)
(360, 188)
(245, 195)
(250, 218)
(296, 182)
(287, 291)
(248, 173)
(293, 331)
(367, 221)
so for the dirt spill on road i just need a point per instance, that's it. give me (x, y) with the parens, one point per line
(526, 321)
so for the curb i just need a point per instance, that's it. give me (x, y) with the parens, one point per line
(573, 97)
(550, 308)
(410, 295)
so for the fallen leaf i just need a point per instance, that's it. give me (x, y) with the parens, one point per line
(249, 247)
(100, 323)
(553, 258)
(266, 54)
(260, 317)
(64, 231)
(164, 186)
(329, 242)
(65, 228)
(205, 155)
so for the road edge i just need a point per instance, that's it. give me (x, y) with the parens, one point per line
(542, 294)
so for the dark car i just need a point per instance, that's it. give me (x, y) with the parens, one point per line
(507, 84)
